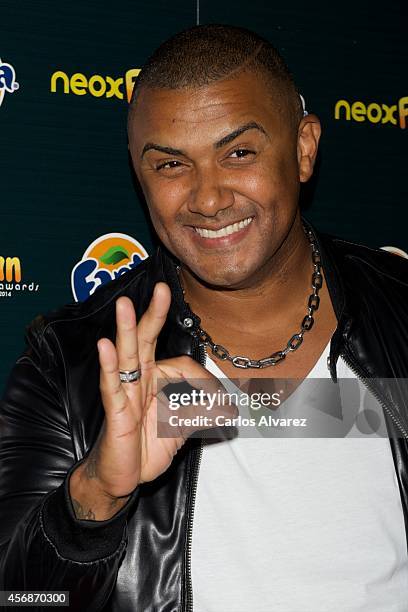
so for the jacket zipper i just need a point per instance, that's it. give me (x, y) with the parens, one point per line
(374, 391)
(194, 480)
(196, 468)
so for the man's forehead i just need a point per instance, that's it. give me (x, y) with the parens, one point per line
(219, 101)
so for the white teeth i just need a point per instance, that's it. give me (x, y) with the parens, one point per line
(224, 231)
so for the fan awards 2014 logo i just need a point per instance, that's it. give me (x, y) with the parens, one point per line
(8, 83)
(107, 258)
(11, 277)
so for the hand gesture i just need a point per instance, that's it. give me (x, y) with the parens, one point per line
(128, 451)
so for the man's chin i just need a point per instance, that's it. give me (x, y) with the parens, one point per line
(222, 278)
(224, 269)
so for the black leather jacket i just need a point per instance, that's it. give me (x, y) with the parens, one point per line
(51, 414)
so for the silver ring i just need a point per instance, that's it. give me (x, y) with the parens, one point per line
(127, 376)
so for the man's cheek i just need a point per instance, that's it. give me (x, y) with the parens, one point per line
(165, 228)
(158, 221)
(164, 196)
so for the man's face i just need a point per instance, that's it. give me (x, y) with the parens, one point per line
(220, 167)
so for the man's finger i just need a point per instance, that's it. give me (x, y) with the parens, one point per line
(126, 335)
(152, 322)
(113, 394)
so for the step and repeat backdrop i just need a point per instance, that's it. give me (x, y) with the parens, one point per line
(70, 214)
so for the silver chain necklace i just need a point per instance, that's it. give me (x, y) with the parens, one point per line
(293, 343)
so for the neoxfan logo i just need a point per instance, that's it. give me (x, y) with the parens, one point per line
(96, 85)
(373, 112)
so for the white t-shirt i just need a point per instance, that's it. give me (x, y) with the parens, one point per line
(298, 524)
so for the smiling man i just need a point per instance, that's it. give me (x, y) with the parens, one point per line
(94, 502)
(220, 155)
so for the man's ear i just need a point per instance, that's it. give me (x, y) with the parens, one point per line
(308, 141)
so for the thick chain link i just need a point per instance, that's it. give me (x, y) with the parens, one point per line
(293, 343)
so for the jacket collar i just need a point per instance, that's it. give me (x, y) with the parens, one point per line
(337, 292)
(177, 336)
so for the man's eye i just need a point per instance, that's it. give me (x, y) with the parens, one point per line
(239, 153)
(168, 164)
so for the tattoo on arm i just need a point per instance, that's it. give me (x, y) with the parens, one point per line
(81, 513)
(114, 503)
(90, 468)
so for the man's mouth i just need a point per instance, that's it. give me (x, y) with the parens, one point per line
(223, 231)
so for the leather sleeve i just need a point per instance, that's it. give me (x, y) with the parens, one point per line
(43, 546)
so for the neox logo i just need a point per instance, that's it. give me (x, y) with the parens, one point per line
(96, 85)
(396, 114)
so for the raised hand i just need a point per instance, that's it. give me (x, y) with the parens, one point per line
(128, 451)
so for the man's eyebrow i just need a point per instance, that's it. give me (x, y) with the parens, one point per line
(169, 150)
(252, 125)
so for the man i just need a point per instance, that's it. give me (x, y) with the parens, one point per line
(95, 503)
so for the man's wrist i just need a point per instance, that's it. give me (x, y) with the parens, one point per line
(89, 501)
(83, 540)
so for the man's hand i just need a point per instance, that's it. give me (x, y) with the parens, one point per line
(128, 451)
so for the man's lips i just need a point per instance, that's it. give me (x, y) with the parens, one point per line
(227, 235)
(225, 230)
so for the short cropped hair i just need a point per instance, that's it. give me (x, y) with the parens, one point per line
(205, 54)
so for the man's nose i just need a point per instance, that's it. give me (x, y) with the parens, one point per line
(210, 193)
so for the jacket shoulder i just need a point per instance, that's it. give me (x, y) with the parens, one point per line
(361, 261)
